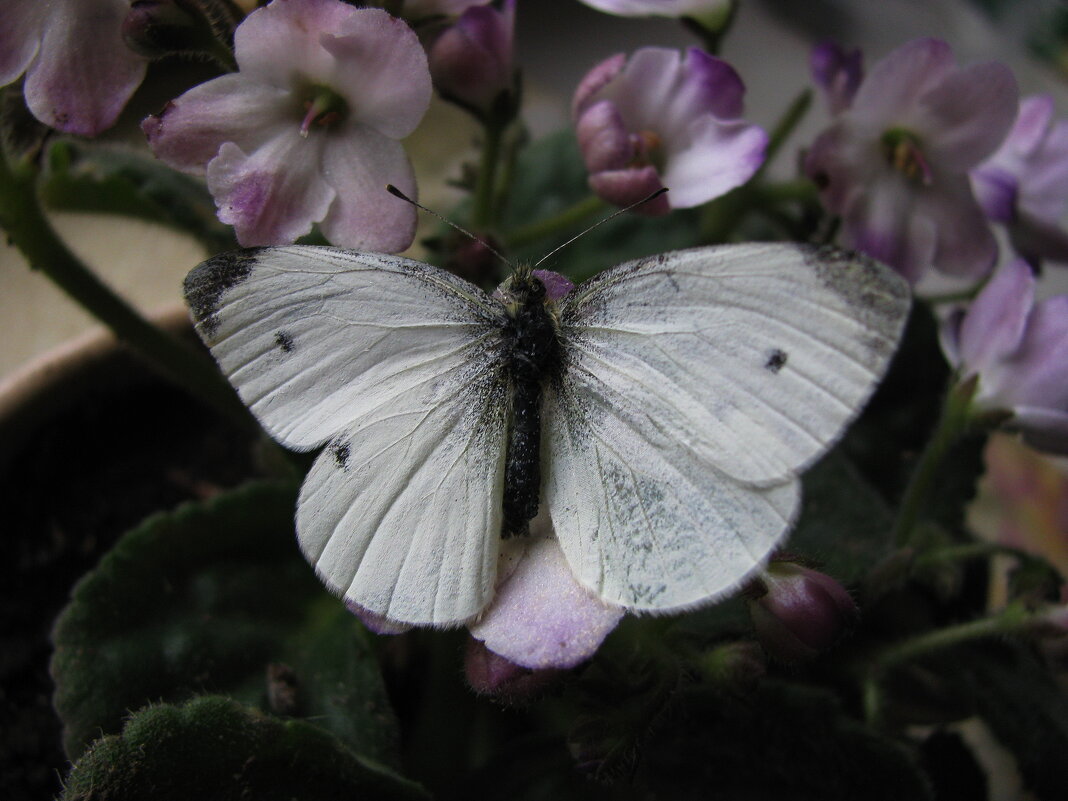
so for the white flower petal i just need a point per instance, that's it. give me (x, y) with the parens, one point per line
(273, 195)
(359, 164)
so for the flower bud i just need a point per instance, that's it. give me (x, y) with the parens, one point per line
(838, 73)
(738, 664)
(798, 612)
(471, 62)
(491, 674)
(157, 28)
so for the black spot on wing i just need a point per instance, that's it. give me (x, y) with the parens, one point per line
(210, 280)
(340, 450)
(776, 360)
(284, 341)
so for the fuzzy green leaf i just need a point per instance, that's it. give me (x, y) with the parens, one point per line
(212, 747)
(215, 597)
(845, 526)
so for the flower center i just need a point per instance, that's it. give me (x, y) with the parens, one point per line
(646, 148)
(902, 151)
(324, 108)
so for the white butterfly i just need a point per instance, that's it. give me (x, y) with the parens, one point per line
(679, 397)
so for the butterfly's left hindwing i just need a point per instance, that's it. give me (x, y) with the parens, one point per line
(396, 367)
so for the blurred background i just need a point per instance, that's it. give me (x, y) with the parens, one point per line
(557, 42)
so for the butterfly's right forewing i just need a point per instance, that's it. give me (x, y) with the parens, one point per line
(395, 366)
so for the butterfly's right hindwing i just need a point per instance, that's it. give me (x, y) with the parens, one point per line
(396, 367)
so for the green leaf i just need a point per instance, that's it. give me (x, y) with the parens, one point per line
(550, 177)
(212, 747)
(215, 597)
(845, 526)
(1026, 709)
(81, 177)
(781, 741)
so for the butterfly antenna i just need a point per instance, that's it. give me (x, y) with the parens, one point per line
(612, 216)
(399, 194)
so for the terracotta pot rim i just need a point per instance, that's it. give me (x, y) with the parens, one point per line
(58, 378)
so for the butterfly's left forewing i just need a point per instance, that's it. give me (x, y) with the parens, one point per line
(395, 366)
(698, 384)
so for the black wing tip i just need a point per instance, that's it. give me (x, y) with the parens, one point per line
(206, 283)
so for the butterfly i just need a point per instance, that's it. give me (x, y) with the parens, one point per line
(661, 411)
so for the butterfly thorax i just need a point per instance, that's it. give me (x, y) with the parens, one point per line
(531, 353)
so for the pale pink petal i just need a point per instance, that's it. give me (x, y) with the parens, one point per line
(1043, 429)
(359, 164)
(997, 318)
(556, 285)
(541, 617)
(626, 187)
(375, 622)
(190, 130)
(838, 73)
(1036, 114)
(84, 73)
(1045, 186)
(603, 139)
(594, 81)
(644, 90)
(879, 221)
(21, 28)
(996, 190)
(1037, 375)
(896, 82)
(963, 120)
(660, 8)
(720, 156)
(381, 70)
(965, 244)
(280, 42)
(273, 195)
(707, 84)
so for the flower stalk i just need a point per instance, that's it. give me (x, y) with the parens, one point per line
(29, 230)
(953, 423)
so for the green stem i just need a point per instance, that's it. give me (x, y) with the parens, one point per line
(789, 120)
(29, 230)
(565, 220)
(952, 424)
(483, 214)
(1012, 618)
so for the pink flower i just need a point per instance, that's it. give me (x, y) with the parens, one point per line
(658, 120)
(471, 61)
(308, 130)
(660, 8)
(1025, 183)
(838, 73)
(894, 164)
(1018, 351)
(79, 73)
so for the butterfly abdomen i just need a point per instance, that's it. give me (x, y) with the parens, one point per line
(532, 351)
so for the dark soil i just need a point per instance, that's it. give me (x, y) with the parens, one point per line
(124, 447)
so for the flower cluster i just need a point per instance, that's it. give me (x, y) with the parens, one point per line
(895, 162)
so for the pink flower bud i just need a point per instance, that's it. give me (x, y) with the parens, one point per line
(800, 612)
(661, 119)
(471, 62)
